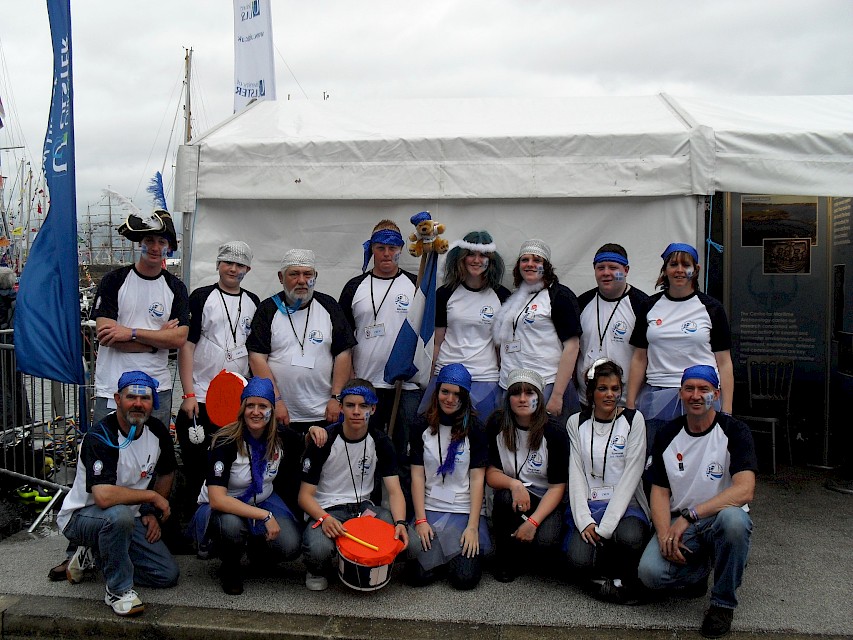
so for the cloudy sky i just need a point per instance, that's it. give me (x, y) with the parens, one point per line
(128, 61)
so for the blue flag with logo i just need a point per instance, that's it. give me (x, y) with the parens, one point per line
(411, 357)
(47, 315)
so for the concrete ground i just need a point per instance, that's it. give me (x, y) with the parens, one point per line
(797, 584)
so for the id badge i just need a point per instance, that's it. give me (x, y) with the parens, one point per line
(374, 331)
(443, 494)
(236, 353)
(601, 493)
(512, 347)
(304, 361)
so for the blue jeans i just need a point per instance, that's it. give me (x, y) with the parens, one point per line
(163, 414)
(125, 556)
(232, 535)
(723, 539)
(319, 552)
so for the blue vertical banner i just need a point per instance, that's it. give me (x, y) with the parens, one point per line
(47, 315)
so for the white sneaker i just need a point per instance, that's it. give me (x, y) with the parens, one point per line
(316, 583)
(127, 604)
(82, 561)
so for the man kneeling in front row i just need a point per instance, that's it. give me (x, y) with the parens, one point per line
(703, 476)
(110, 512)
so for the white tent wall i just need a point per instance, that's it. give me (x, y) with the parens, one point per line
(573, 227)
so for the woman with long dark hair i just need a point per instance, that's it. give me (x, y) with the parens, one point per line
(528, 469)
(608, 515)
(448, 455)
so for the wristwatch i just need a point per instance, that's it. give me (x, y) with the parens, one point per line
(687, 514)
(402, 522)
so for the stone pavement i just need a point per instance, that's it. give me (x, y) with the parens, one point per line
(797, 585)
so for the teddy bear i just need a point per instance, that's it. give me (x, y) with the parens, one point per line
(425, 237)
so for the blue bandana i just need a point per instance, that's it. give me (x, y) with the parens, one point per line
(383, 236)
(143, 379)
(364, 392)
(609, 256)
(454, 374)
(420, 217)
(681, 246)
(702, 372)
(259, 388)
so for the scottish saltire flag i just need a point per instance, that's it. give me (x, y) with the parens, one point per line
(47, 315)
(254, 67)
(411, 357)
(2, 114)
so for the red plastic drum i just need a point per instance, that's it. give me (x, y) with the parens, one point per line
(223, 397)
(360, 567)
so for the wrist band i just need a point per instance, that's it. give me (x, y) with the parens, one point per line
(694, 514)
(268, 518)
(402, 522)
(319, 521)
(187, 395)
(133, 335)
(277, 398)
(530, 520)
(421, 521)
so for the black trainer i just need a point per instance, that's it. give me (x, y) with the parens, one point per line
(717, 622)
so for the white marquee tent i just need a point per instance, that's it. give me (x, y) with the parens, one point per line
(577, 172)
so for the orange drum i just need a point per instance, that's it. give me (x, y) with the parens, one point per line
(223, 397)
(360, 567)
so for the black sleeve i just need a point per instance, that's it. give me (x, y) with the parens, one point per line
(315, 457)
(557, 441)
(342, 333)
(564, 313)
(346, 298)
(442, 297)
(106, 298)
(416, 440)
(198, 298)
(386, 456)
(98, 458)
(638, 299)
(260, 337)
(493, 432)
(657, 472)
(479, 445)
(166, 463)
(585, 298)
(503, 293)
(253, 297)
(741, 445)
(180, 301)
(721, 336)
(219, 461)
(638, 336)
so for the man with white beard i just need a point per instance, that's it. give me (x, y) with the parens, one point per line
(301, 340)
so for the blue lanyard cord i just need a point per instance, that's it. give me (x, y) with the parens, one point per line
(710, 243)
(285, 309)
(105, 439)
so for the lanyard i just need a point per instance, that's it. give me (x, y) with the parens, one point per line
(233, 327)
(524, 310)
(440, 461)
(286, 311)
(373, 302)
(515, 456)
(358, 495)
(606, 445)
(601, 333)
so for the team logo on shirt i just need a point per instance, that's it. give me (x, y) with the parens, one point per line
(535, 462)
(306, 465)
(486, 314)
(617, 445)
(460, 452)
(147, 471)
(218, 468)
(402, 303)
(689, 327)
(316, 336)
(530, 314)
(620, 328)
(714, 471)
(97, 467)
(246, 325)
(156, 310)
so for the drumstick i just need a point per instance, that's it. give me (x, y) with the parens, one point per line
(360, 541)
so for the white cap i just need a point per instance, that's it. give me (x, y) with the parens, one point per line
(535, 247)
(235, 251)
(525, 375)
(298, 258)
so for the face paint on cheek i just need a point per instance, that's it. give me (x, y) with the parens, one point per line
(688, 273)
(397, 257)
(709, 400)
(240, 276)
(619, 276)
(366, 416)
(534, 403)
(267, 414)
(540, 269)
(311, 282)
(143, 248)
(485, 263)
